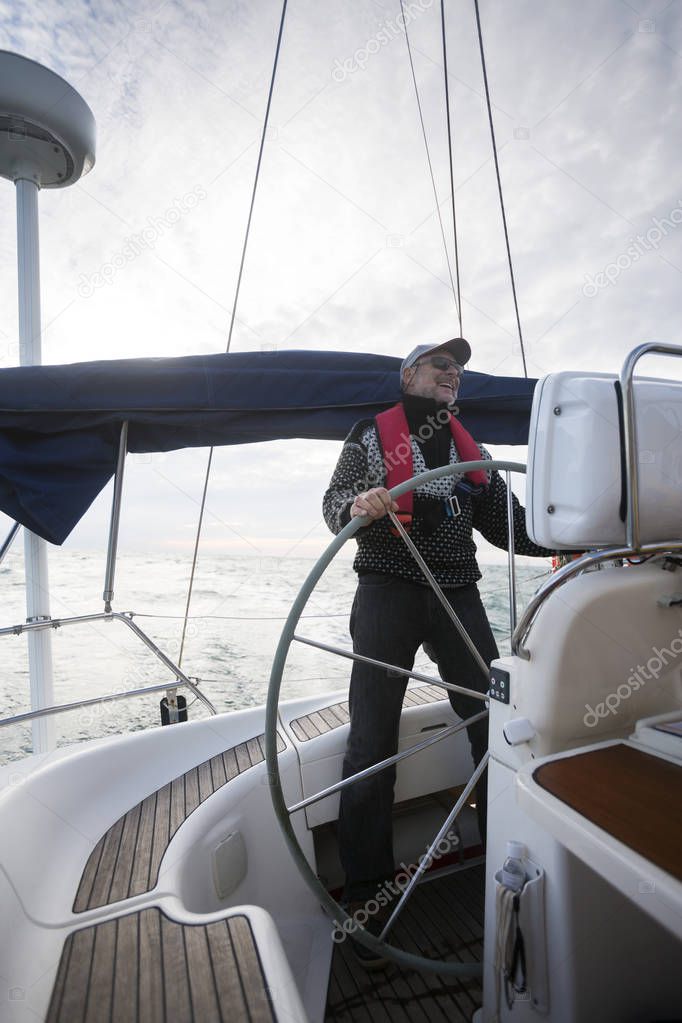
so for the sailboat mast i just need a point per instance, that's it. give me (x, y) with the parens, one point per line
(35, 549)
(47, 140)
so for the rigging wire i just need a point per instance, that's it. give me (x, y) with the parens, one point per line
(456, 290)
(452, 175)
(428, 158)
(499, 183)
(234, 310)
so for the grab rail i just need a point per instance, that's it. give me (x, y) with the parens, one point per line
(630, 433)
(589, 560)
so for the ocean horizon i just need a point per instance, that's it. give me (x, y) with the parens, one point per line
(238, 609)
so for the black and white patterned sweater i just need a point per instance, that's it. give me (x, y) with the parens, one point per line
(445, 543)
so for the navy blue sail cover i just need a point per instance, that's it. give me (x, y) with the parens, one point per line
(60, 425)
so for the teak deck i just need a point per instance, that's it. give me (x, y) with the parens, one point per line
(443, 919)
(327, 718)
(126, 860)
(145, 968)
(634, 796)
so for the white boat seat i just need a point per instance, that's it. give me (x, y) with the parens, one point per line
(126, 860)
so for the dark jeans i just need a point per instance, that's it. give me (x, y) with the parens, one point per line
(389, 620)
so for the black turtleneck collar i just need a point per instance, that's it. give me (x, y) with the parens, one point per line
(434, 442)
(418, 410)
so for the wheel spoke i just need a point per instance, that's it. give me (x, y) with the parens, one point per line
(382, 764)
(351, 655)
(283, 813)
(450, 611)
(423, 865)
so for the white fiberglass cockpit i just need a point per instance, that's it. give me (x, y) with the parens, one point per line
(586, 717)
(145, 876)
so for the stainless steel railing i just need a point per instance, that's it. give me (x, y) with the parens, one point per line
(105, 616)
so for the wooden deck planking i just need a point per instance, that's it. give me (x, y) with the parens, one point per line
(218, 771)
(342, 710)
(151, 979)
(430, 925)
(126, 860)
(126, 983)
(147, 968)
(161, 836)
(331, 719)
(470, 909)
(429, 995)
(177, 804)
(175, 976)
(71, 1001)
(60, 980)
(100, 994)
(251, 971)
(308, 728)
(200, 972)
(139, 876)
(231, 764)
(241, 752)
(326, 719)
(107, 864)
(255, 752)
(429, 694)
(227, 979)
(82, 900)
(449, 941)
(320, 723)
(205, 780)
(298, 731)
(120, 882)
(192, 799)
(351, 995)
(280, 744)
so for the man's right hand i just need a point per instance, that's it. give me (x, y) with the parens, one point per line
(374, 503)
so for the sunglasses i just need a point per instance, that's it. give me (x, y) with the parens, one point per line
(439, 362)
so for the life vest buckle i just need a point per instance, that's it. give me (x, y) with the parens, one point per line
(452, 507)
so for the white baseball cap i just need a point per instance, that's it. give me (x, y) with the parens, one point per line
(458, 347)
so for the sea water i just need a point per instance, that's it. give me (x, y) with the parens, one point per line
(237, 612)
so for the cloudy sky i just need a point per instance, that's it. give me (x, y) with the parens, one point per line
(140, 258)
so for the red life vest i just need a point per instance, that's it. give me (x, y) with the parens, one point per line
(396, 446)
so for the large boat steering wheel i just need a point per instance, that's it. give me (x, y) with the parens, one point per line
(283, 812)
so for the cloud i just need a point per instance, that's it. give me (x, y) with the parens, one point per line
(346, 249)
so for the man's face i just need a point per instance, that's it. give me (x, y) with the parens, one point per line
(434, 376)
